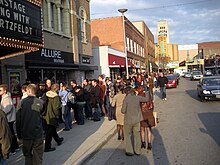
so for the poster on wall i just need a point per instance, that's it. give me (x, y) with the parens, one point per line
(15, 82)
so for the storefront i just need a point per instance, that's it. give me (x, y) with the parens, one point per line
(57, 66)
(20, 33)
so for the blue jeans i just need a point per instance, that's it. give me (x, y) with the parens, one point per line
(96, 113)
(67, 117)
(2, 161)
(163, 92)
(80, 107)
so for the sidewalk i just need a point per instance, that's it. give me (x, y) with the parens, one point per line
(79, 144)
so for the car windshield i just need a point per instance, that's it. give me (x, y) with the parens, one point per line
(211, 82)
(187, 72)
(197, 73)
(170, 77)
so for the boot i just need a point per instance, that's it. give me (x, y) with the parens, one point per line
(143, 144)
(149, 146)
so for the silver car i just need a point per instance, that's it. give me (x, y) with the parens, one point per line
(196, 75)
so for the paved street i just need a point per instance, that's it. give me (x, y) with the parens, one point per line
(188, 133)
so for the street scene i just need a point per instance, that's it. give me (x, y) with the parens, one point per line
(109, 82)
(187, 132)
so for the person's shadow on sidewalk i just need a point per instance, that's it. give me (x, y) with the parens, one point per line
(73, 139)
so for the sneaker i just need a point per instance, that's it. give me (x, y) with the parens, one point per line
(165, 98)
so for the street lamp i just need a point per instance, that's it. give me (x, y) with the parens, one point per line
(122, 11)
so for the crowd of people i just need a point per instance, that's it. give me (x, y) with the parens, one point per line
(44, 105)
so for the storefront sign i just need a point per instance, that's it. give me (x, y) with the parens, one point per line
(85, 60)
(21, 20)
(50, 56)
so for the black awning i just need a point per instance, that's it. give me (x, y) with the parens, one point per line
(46, 65)
(63, 66)
(88, 67)
(183, 63)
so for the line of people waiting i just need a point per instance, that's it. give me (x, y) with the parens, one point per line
(51, 104)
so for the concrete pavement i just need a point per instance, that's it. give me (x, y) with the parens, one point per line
(81, 142)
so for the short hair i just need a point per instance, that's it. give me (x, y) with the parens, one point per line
(95, 80)
(73, 81)
(4, 86)
(32, 88)
(24, 87)
(101, 75)
(54, 87)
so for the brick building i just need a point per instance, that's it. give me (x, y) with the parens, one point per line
(110, 32)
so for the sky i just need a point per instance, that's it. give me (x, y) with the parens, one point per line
(190, 21)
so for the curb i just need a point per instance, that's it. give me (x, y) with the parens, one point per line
(88, 148)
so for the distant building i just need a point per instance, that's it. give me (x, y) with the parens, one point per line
(110, 32)
(187, 52)
(149, 44)
(163, 30)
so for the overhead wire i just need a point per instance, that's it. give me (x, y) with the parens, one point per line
(158, 7)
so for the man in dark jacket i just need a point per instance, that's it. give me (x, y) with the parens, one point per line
(162, 81)
(51, 118)
(95, 99)
(80, 104)
(5, 138)
(29, 126)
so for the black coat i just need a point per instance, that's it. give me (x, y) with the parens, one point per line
(95, 97)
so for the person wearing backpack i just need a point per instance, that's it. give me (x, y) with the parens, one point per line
(51, 118)
(63, 93)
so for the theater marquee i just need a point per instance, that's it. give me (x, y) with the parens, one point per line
(20, 26)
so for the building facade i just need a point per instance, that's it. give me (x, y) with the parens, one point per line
(149, 45)
(111, 31)
(66, 52)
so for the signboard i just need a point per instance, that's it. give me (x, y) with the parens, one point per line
(50, 56)
(20, 20)
(86, 60)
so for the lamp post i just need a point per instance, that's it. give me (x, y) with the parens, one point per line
(122, 11)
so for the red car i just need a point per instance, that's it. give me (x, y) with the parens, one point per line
(172, 81)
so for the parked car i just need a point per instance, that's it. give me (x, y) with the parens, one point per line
(209, 88)
(172, 81)
(187, 75)
(196, 75)
(208, 73)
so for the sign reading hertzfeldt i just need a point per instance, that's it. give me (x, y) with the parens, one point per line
(21, 24)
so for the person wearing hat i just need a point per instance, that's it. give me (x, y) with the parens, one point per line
(41, 90)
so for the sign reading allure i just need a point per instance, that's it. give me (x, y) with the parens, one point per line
(50, 56)
(21, 20)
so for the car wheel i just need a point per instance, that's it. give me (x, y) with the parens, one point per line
(202, 98)
(198, 94)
